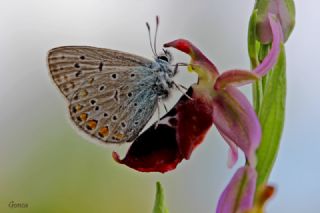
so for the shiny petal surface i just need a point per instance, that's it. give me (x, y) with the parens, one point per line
(239, 193)
(236, 120)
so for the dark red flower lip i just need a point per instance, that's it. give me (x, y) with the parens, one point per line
(178, 133)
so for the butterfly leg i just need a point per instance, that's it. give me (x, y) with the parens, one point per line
(179, 86)
(165, 107)
(183, 87)
(176, 66)
(158, 109)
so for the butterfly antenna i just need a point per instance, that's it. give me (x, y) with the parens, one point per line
(149, 33)
(155, 35)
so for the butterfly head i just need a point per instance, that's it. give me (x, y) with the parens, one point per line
(165, 56)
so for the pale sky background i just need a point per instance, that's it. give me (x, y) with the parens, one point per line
(34, 113)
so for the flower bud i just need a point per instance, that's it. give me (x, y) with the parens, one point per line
(284, 10)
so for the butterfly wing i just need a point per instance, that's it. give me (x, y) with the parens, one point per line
(111, 93)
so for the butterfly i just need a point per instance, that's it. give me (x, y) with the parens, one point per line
(111, 94)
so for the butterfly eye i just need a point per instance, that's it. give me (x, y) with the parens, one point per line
(163, 58)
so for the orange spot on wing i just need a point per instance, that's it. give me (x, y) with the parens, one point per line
(83, 116)
(91, 124)
(83, 93)
(103, 132)
(78, 107)
(118, 136)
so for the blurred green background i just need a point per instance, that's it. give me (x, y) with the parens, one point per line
(45, 163)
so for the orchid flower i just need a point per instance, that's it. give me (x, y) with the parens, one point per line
(214, 99)
(240, 195)
(284, 11)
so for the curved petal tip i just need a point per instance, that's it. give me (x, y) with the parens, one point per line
(180, 44)
(233, 157)
(116, 157)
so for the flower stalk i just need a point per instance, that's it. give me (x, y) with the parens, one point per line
(269, 92)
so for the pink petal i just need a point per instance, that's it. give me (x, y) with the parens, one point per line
(270, 60)
(239, 193)
(284, 10)
(236, 120)
(235, 78)
(233, 152)
(232, 156)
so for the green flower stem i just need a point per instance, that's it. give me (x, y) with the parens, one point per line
(272, 116)
(253, 48)
(269, 95)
